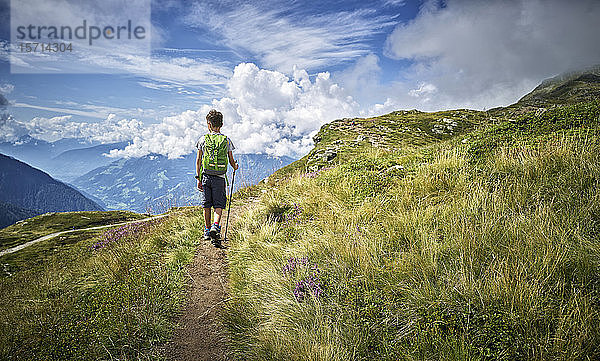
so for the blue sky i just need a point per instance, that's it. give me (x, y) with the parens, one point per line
(280, 69)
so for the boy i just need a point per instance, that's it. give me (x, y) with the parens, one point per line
(214, 151)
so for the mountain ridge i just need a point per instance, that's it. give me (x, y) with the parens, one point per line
(343, 138)
(29, 188)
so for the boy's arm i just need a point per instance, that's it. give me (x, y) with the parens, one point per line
(199, 162)
(232, 161)
(198, 168)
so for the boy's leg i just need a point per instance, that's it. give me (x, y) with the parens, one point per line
(207, 217)
(215, 229)
(218, 214)
(206, 204)
(207, 224)
(219, 198)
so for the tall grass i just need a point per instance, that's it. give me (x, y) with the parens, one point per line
(111, 297)
(458, 251)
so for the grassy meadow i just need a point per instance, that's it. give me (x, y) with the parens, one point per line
(33, 228)
(99, 295)
(481, 246)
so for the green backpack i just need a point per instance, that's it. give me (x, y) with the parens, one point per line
(215, 154)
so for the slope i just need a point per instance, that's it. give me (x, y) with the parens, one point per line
(10, 214)
(96, 294)
(26, 187)
(481, 244)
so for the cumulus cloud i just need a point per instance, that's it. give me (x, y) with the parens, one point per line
(424, 92)
(264, 111)
(5, 88)
(174, 136)
(110, 130)
(489, 53)
(10, 131)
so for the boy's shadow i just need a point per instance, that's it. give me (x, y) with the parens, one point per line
(218, 244)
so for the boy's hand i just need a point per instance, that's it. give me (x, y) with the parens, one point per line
(235, 166)
(199, 184)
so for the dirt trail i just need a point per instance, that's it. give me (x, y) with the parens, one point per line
(200, 334)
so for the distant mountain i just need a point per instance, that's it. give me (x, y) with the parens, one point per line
(64, 159)
(155, 182)
(29, 150)
(9, 214)
(74, 163)
(566, 88)
(31, 189)
(39, 153)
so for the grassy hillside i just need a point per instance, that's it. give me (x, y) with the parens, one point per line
(105, 294)
(567, 88)
(564, 89)
(32, 228)
(344, 139)
(480, 245)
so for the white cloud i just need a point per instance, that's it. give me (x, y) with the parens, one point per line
(424, 90)
(83, 52)
(182, 71)
(362, 78)
(91, 114)
(109, 56)
(174, 136)
(109, 130)
(394, 2)
(187, 71)
(264, 111)
(282, 41)
(489, 53)
(6, 88)
(98, 111)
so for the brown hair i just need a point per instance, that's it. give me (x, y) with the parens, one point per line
(215, 118)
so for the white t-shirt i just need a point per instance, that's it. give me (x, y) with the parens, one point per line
(230, 146)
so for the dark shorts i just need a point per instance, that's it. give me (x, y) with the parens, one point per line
(213, 191)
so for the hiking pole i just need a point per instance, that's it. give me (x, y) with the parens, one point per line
(229, 209)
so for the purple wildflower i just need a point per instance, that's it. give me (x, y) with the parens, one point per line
(294, 213)
(123, 232)
(307, 285)
(316, 173)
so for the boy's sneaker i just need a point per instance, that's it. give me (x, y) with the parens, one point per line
(206, 234)
(215, 231)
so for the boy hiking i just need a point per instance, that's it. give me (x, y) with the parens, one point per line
(214, 152)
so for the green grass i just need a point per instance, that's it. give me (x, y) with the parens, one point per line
(62, 299)
(395, 131)
(482, 246)
(33, 228)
